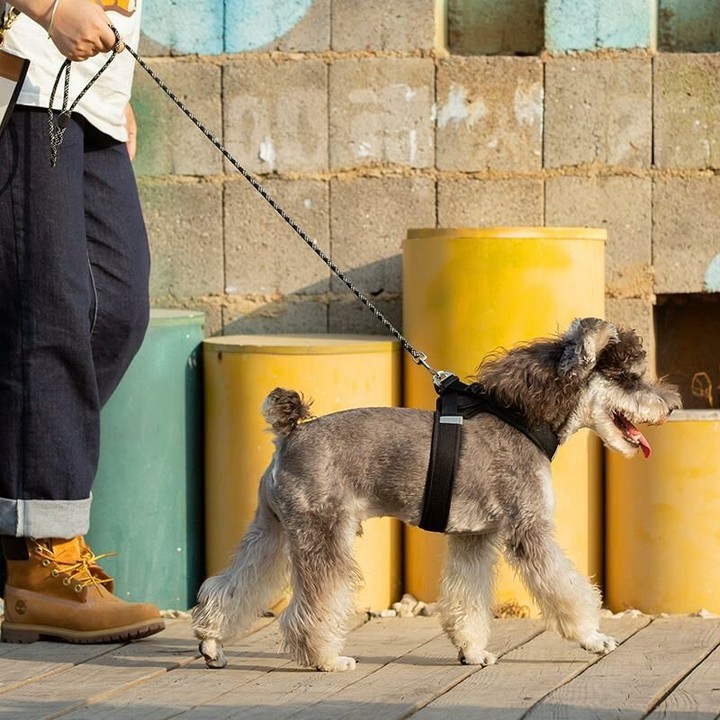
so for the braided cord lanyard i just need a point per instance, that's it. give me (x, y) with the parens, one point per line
(57, 130)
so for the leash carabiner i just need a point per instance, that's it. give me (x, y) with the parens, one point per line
(438, 376)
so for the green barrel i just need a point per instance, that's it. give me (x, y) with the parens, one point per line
(147, 498)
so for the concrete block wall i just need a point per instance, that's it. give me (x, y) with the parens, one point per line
(365, 119)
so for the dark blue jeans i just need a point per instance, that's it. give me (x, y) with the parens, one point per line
(74, 266)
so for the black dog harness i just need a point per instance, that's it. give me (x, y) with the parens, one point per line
(456, 402)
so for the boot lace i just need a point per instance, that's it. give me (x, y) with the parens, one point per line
(80, 571)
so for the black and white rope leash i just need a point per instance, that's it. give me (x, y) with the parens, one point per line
(57, 129)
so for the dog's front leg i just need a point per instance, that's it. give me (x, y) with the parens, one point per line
(467, 596)
(567, 599)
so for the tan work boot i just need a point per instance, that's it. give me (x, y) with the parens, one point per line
(55, 589)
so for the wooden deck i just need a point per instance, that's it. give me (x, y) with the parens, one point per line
(664, 668)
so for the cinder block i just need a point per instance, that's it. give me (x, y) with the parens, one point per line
(290, 26)
(622, 205)
(686, 243)
(598, 111)
(348, 315)
(171, 27)
(687, 111)
(594, 24)
(185, 227)
(381, 112)
(369, 220)
(484, 203)
(489, 27)
(490, 114)
(380, 25)
(689, 26)
(275, 114)
(635, 314)
(260, 315)
(263, 254)
(168, 142)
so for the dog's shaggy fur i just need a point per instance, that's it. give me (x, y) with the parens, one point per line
(329, 474)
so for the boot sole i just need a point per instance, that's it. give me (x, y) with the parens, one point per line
(16, 633)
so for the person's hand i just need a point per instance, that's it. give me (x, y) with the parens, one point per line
(131, 127)
(80, 29)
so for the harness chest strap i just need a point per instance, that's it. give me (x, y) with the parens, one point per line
(444, 452)
(455, 403)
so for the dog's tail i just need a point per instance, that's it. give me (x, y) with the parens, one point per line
(284, 409)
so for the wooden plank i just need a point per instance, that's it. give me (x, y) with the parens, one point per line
(27, 663)
(73, 686)
(629, 682)
(167, 694)
(398, 689)
(284, 691)
(21, 663)
(697, 696)
(524, 676)
(171, 693)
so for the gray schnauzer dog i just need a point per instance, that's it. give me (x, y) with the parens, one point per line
(330, 473)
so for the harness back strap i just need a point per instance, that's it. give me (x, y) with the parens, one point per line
(444, 453)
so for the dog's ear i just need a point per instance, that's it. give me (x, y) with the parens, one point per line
(625, 357)
(585, 339)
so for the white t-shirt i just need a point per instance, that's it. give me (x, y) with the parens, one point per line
(104, 103)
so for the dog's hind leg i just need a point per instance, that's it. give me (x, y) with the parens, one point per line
(467, 595)
(567, 599)
(229, 602)
(324, 579)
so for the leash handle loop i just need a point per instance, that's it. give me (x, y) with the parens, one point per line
(57, 127)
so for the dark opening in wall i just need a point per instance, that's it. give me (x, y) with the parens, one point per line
(495, 27)
(687, 336)
(689, 25)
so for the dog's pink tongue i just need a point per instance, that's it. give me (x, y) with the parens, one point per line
(638, 437)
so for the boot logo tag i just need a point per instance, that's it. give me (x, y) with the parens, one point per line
(20, 607)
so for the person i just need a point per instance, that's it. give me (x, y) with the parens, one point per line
(74, 270)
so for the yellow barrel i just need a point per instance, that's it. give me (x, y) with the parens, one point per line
(663, 541)
(337, 372)
(467, 292)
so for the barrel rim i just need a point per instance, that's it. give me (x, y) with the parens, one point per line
(171, 316)
(695, 415)
(301, 344)
(510, 232)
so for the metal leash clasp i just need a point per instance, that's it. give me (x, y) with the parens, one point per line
(438, 376)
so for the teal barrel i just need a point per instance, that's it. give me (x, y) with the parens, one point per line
(147, 498)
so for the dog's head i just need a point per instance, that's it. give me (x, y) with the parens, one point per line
(593, 376)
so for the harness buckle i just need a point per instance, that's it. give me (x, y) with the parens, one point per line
(442, 378)
(451, 419)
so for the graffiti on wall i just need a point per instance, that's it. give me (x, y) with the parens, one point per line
(211, 27)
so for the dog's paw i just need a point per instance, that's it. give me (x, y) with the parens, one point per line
(472, 656)
(211, 650)
(337, 664)
(599, 643)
